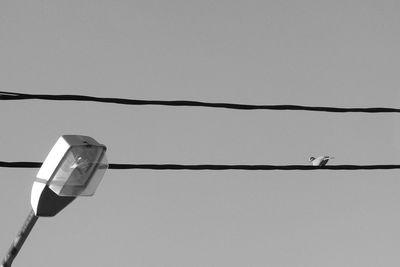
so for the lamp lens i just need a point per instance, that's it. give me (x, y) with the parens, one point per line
(76, 170)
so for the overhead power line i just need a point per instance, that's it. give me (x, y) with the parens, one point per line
(215, 167)
(181, 103)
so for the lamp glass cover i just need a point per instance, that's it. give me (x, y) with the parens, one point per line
(80, 171)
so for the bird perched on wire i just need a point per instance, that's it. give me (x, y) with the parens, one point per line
(320, 161)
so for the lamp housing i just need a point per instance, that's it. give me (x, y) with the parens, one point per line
(74, 167)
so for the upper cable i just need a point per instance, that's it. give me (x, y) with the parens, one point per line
(180, 103)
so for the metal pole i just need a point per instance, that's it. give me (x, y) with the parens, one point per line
(19, 239)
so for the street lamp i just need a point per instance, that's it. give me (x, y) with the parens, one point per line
(74, 167)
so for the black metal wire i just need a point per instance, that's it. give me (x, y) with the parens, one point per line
(215, 167)
(4, 95)
(250, 167)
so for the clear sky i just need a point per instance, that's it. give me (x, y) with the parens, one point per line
(334, 53)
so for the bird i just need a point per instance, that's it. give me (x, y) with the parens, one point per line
(320, 161)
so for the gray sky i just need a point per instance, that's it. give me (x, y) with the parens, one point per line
(335, 53)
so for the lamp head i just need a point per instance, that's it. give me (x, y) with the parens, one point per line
(74, 167)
